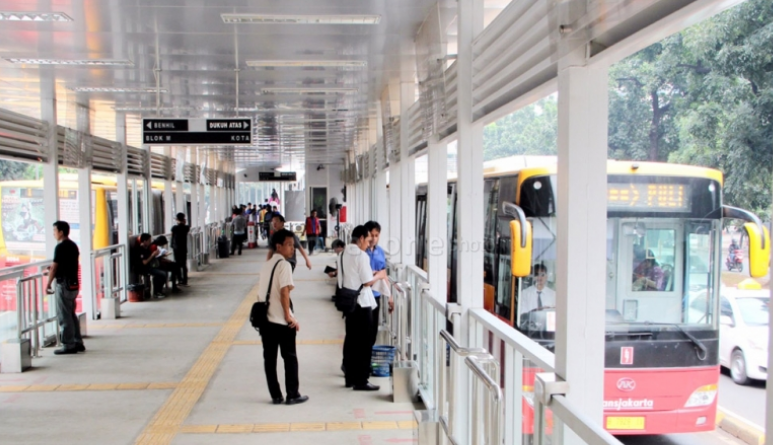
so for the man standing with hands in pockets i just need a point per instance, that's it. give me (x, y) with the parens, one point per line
(64, 272)
(276, 281)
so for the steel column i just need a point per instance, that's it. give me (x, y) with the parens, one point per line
(393, 244)
(124, 229)
(50, 168)
(194, 191)
(168, 196)
(469, 268)
(581, 219)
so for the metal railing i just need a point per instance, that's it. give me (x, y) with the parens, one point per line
(28, 311)
(109, 268)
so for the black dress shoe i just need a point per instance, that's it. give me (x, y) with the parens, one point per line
(63, 351)
(80, 348)
(278, 400)
(349, 384)
(367, 387)
(297, 400)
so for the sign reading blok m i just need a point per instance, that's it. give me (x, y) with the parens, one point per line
(236, 131)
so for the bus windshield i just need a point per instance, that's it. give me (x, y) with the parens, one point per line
(659, 273)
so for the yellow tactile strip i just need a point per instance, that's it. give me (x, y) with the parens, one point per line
(152, 325)
(297, 427)
(89, 387)
(334, 341)
(166, 423)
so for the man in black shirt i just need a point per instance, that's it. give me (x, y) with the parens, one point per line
(180, 247)
(146, 262)
(64, 272)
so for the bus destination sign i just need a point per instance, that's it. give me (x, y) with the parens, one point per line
(277, 176)
(197, 131)
(648, 197)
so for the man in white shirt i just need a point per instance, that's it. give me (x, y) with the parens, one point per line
(276, 281)
(354, 273)
(537, 295)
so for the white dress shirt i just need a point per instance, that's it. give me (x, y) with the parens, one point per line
(531, 297)
(354, 272)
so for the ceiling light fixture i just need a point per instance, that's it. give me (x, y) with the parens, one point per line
(33, 16)
(141, 109)
(309, 90)
(117, 90)
(307, 63)
(80, 62)
(293, 19)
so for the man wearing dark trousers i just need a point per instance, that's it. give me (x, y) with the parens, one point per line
(276, 281)
(313, 232)
(180, 247)
(64, 272)
(145, 261)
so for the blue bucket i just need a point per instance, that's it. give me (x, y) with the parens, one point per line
(381, 360)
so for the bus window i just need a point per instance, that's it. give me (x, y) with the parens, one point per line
(491, 196)
(698, 275)
(653, 261)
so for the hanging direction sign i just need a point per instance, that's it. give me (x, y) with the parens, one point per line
(197, 131)
(277, 176)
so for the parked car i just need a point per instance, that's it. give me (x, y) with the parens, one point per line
(743, 333)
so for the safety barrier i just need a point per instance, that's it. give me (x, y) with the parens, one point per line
(109, 273)
(28, 312)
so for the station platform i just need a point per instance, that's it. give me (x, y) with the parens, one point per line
(188, 369)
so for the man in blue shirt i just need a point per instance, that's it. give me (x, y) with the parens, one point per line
(377, 263)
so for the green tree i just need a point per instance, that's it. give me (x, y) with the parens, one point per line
(532, 130)
(11, 170)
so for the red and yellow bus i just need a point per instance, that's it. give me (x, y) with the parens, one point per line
(663, 262)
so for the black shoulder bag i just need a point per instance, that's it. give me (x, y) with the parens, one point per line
(346, 299)
(259, 312)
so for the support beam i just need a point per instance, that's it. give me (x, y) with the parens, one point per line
(407, 162)
(50, 168)
(168, 198)
(85, 232)
(124, 228)
(437, 218)
(194, 191)
(581, 219)
(393, 244)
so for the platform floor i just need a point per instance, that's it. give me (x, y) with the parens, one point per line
(188, 369)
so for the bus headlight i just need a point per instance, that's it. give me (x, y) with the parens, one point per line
(702, 396)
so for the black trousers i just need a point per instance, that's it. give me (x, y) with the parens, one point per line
(376, 316)
(237, 242)
(181, 258)
(358, 345)
(280, 337)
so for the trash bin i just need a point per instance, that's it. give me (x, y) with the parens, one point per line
(136, 292)
(381, 360)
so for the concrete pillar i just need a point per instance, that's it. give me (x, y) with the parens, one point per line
(51, 167)
(469, 269)
(147, 198)
(581, 220)
(437, 217)
(393, 244)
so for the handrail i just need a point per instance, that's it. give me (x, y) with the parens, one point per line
(523, 344)
(114, 279)
(29, 302)
(8, 273)
(589, 431)
(493, 413)
(420, 273)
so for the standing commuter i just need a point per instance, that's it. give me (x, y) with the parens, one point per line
(240, 231)
(276, 281)
(377, 264)
(180, 247)
(313, 231)
(278, 223)
(354, 273)
(267, 221)
(64, 271)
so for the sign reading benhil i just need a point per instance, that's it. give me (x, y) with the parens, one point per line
(236, 131)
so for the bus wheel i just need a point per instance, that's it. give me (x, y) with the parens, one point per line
(738, 368)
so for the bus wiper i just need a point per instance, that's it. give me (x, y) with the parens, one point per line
(692, 338)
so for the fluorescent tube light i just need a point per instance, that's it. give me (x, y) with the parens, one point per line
(33, 16)
(309, 90)
(141, 109)
(297, 19)
(117, 90)
(79, 62)
(307, 63)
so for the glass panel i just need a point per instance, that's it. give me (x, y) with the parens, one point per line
(699, 275)
(754, 311)
(649, 274)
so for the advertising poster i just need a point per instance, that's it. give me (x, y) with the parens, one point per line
(23, 220)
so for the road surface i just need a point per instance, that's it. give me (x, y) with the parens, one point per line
(747, 402)
(713, 438)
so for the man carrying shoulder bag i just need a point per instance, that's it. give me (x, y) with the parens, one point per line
(355, 299)
(279, 329)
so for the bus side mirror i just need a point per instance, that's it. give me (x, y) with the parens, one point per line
(520, 252)
(759, 250)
